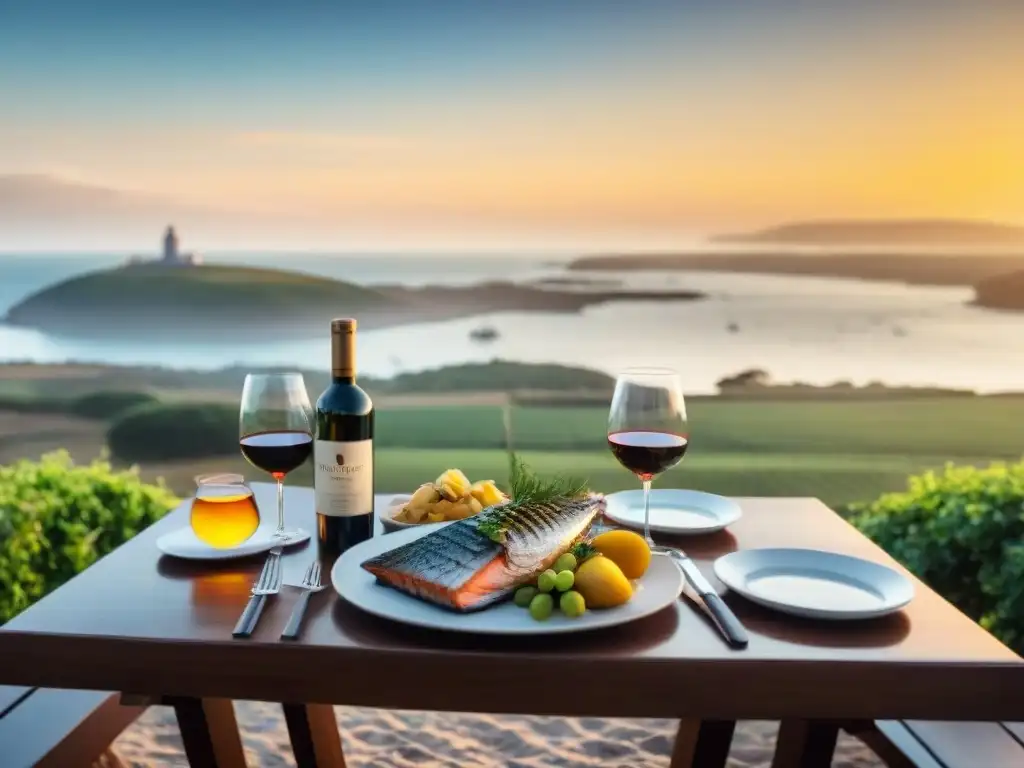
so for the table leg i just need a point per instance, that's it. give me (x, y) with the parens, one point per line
(702, 743)
(210, 732)
(805, 744)
(316, 740)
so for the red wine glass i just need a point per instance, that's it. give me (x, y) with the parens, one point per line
(275, 432)
(647, 427)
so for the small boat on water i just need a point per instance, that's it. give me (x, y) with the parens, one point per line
(486, 333)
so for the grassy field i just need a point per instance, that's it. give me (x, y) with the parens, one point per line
(954, 428)
(951, 427)
(837, 480)
(838, 451)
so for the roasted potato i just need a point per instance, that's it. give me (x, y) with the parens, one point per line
(450, 497)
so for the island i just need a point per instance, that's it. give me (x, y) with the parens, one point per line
(1001, 292)
(916, 252)
(884, 232)
(157, 300)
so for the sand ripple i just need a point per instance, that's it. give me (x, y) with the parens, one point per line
(388, 739)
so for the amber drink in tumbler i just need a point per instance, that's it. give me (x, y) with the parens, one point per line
(224, 512)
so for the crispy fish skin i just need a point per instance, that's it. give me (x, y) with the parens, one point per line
(457, 567)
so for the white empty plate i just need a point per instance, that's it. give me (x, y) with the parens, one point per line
(185, 544)
(659, 588)
(673, 510)
(815, 584)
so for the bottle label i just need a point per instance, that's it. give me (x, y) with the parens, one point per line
(343, 480)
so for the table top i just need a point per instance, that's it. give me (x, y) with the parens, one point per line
(140, 622)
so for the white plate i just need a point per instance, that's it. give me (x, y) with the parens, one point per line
(185, 544)
(659, 589)
(673, 511)
(815, 584)
(387, 515)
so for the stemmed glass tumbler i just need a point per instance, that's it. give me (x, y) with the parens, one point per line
(275, 428)
(647, 426)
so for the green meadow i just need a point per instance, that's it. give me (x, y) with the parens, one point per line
(838, 447)
(840, 452)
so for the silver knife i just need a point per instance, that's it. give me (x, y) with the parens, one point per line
(730, 626)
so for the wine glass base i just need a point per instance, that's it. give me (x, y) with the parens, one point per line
(291, 536)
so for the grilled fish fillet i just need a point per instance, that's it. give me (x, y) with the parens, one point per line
(458, 567)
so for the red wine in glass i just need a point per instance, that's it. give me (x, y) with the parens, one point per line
(277, 453)
(647, 427)
(275, 432)
(647, 454)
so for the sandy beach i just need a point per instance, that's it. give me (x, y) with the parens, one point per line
(389, 739)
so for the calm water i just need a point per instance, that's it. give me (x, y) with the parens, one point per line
(809, 329)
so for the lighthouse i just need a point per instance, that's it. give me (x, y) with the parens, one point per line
(172, 256)
(171, 246)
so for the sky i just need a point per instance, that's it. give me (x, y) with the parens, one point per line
(586, 122)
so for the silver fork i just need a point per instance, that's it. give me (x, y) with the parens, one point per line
(310, 584)
(269, 583)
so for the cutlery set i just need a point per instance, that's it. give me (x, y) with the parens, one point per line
(267, 584)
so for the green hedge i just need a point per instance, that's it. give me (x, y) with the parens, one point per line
(962, 532)
(495, 376)
(107, 405)
(172, 431)
(57, 519)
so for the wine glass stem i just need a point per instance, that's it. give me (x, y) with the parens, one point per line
(647, 512)
(280, 504)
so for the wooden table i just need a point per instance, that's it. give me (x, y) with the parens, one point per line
(156, 627)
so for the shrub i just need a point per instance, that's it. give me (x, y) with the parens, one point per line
(175, 431)
(495, 376)
(57, 519)
(960, 531)
(107, 405)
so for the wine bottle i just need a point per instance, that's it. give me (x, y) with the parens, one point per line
(343, 451)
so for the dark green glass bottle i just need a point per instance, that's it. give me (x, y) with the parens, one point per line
(343, 450)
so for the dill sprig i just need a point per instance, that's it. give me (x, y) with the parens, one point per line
(526, 487)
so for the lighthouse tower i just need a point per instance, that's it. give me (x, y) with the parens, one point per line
(174, 257)
(171, 247)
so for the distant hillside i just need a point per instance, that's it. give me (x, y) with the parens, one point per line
(28, 382)
(219, 303)
(894, 232)
(1001, 292)
(156, 301)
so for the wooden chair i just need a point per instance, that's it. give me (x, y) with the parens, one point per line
(927, 744)
(52, 728)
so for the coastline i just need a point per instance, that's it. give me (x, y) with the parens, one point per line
(402, 305)
(912, 268)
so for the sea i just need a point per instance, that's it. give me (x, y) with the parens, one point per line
(814, 330)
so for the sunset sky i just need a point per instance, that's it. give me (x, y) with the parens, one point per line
(568, 121)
